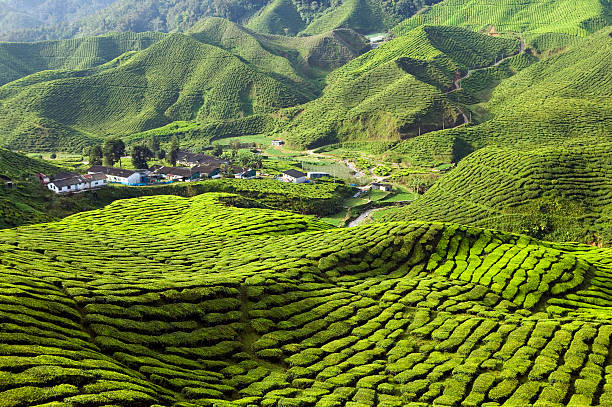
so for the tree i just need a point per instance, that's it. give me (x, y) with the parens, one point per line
(174, 149)
(154, 144)
(140, 155)
(95, 155)
(161, 154)
(53, 156)
(217, 150)
(112, 150)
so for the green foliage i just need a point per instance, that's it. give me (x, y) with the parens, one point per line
(532, 17)
(165, 301)
(112, 150)
(95, 155)
(140, 155)
(396, 91)
(551, 193)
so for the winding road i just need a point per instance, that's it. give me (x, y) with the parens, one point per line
(501, 61)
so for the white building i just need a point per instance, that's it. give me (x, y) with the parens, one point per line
(117, 175)
(297, 177)
(382, 187)
(278, 143)
(97, 180)
(66, 185)
(316, 175)
(76, 183)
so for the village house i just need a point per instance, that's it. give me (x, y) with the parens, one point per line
(66, 185)
(382, 187)
(44, 179)
(317, 175)
(97, 180)
(189, 159)
(278, 143)
(117, 175)
(297, 177)
(246, 174)
(68, 182)
(179, 173)
(211, 171)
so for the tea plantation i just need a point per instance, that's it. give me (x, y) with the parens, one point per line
(539, 20)
(554, 194)
(196, 302)
(397, 90)
(128, 83)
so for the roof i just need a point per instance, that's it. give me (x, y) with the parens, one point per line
(378, 184)
(206, 169)
(194, 158)
(294, 173)
(117, 172)
(66, 182)
(98, 176)
(179, 171)
(65, 175)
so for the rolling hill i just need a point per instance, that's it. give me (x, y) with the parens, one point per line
(22, 59)
(179, 77)
(392, 91)
(544, 23)
(552, 101)
(561, 194)
(266, 16)
(202, 303)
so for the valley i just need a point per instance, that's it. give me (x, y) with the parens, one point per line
(281, 203)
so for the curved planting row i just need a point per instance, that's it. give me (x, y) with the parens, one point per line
(176, 306)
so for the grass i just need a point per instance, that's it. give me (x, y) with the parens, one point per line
(166, 300)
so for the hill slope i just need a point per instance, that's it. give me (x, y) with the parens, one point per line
(21, 59)
(266, 16)
(393, 90)
(379, 315)
(24, 201)
(542, 22)
(178, 78)
(533, 103)
(554, 194)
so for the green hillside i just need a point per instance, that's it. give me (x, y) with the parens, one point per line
(266, 16)
(278, 17)
(561, 194)
(218, 73)
(21, 59)
(541, 21)
(390, 92)
(204, 304)
(24, 200)
(178, 78)
(532, 103)
(303, 61)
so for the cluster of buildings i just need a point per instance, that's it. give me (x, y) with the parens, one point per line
(70, 182)
(192, 167)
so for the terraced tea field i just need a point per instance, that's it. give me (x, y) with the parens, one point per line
(195, 302)
(552, 193)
